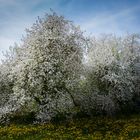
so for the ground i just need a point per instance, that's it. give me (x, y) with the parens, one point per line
(96, 128)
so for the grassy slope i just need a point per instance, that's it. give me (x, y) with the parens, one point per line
(97, 128)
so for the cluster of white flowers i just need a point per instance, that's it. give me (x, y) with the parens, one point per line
(48, 74)
(45, 68)
(112, 71)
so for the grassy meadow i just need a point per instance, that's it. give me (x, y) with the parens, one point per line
(96, 128)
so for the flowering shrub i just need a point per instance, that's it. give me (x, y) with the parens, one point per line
(57, 71)
(45, 69)
(111, 73)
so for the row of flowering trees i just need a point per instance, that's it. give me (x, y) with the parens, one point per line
(57, 70)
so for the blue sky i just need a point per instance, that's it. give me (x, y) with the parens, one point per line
(94, 16)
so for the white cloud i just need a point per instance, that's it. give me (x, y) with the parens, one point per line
(110, 22)
(12, 31)
(4, 45)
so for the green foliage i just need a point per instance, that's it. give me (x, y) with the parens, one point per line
(20, 118)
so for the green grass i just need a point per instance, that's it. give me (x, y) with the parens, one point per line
(96, 128)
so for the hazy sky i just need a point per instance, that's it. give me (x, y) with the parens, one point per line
(94, 16)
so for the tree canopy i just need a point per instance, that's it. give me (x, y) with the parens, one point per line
(58, 70)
